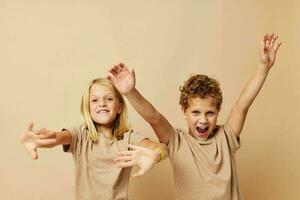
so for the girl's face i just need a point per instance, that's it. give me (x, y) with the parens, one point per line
(104, 105)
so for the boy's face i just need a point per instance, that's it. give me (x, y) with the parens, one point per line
(201, 116)
(104, 105)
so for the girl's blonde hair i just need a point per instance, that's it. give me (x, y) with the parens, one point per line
(120, 124)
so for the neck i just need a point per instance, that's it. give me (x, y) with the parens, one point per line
(107, 131)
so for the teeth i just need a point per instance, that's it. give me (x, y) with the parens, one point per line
(102, 111)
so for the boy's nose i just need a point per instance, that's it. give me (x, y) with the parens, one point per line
(203, 120)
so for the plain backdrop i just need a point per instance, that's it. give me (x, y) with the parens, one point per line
(51, 49)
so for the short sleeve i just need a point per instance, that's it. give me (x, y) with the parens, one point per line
(136, 138)
(174, 142)
(75, 139)
(233, 141)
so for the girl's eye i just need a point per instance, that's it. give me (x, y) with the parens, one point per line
(110, 99)
(94, 100)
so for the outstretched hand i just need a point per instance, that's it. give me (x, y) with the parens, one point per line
(32, 140)
(141, 157)
(122, 78)
(269, 48)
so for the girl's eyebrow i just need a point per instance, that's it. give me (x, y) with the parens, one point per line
(106, 95)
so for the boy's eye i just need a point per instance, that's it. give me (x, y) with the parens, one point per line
(195, 112)
(94, 100)
(210, 113)
(110, 99)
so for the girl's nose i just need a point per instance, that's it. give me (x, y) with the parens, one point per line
(102, 104)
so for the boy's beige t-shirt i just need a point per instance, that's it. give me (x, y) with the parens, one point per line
(96, 176)
(205, 170)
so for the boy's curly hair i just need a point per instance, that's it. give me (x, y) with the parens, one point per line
(200, 85)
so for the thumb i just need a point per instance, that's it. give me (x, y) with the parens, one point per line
(34, 154)
(132, 71)
(30, 127)
(139, 173)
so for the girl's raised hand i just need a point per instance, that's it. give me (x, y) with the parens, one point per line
(122, 78)
(42, 138)
(141, 157)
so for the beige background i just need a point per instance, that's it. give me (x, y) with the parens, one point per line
(50, 50)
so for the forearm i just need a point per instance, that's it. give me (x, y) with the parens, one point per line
(252, 88)
(143, 106)
(58, 138)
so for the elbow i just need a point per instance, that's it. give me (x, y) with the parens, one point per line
(242, 107)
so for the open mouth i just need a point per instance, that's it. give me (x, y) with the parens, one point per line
(104, 111)
(202, 131)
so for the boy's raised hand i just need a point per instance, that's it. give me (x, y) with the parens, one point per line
(269, 48)
(141, 157)
(34, 139)
(122, 78)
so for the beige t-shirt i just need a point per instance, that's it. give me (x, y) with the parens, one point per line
(205, 170)
(96, 176)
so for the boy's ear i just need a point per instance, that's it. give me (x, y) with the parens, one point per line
(184, 113)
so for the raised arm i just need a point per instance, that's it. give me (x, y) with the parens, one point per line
(43, 138)
(268, 51)
(124, 80)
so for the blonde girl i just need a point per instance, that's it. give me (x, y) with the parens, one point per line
(104, 147)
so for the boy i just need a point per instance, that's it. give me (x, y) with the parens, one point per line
(203, 159)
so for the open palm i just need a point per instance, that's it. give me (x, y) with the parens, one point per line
(141, 157)
(122, 78)
(269, 48)
(35, 139)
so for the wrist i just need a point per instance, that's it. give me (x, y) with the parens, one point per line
(264, 68)
(161, 154)
(132, 92)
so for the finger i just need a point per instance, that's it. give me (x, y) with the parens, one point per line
(126, 153)
(45, 142)
(126, 164)
(113, 72)
(133, 147)
(41, 131)
(34, 154)
(139, 173)
(110, 76)
(270, 38)
(117, 69)
(30, 127)
(277, 46)
(122, 65)
(44, 133)
(263, 42)
(273, 40)
(123, 158)
(132, 72)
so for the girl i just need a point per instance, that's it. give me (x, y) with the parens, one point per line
(99, 174)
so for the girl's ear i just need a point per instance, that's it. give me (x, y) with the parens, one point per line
(121, 105)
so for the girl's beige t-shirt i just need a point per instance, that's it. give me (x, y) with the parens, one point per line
(205, 170)
(96, 176)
